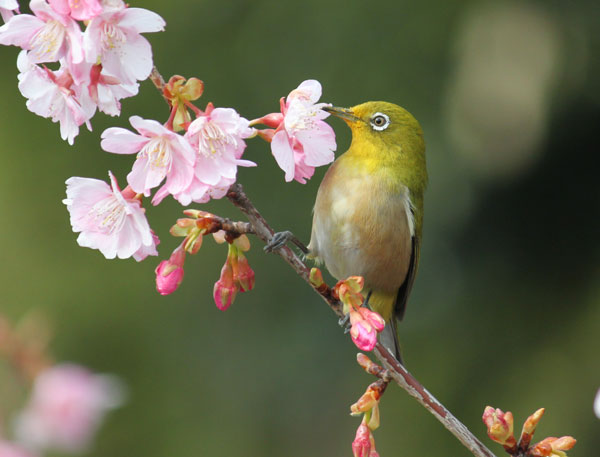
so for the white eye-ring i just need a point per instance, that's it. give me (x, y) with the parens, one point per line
(380, 121)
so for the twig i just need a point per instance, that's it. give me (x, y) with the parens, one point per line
(394, 370)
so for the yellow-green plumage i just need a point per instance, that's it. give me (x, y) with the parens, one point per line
(368, 214)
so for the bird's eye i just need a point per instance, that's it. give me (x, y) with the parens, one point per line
(380, 121)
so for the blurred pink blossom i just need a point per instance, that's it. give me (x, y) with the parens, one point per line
(301, 140)
(597, 404)
(109, 220)
(48, 35)
(161, 153)
(217, 138)
(114, 39)
(66, 408)
(53, 94)
(82, 10)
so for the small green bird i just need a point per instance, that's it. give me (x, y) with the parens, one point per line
(368, 215)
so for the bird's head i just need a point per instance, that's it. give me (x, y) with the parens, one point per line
(380, 122)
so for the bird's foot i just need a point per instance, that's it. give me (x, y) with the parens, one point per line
(345, 323)
(280, 239)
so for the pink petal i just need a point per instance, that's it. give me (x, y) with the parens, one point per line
(141, 20)
(283, 153)
(19, 30)
(121, 141)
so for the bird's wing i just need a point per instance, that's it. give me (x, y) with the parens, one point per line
(406, 286)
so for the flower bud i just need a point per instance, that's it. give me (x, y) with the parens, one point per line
(499, 426)
(243, 275)
(361, 446)
(225, 288)
(169, 273)
(529, 429)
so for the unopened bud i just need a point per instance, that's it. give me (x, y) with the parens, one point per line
(499, 426)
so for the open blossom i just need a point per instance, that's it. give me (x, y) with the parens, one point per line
(161, 153)
(301, 141)
(66, 407)
(109, 220)
(217, 138)
(54, 95)
(82, 10)
(114, 39)
(48, 35)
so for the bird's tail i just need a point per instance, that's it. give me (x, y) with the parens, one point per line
(383, 303)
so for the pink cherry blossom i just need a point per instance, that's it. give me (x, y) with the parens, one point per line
(109, 220)
(53, 94)
(82, 10)
(66, 408)
(114, 39)
(48, 35)
(161, 153)
(6, 9)
(301, 141)
(218, 140)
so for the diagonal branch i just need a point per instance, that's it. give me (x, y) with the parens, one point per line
(395, 370)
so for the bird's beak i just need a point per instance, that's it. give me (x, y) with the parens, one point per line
(343, 113)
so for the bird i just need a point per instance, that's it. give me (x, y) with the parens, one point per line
(368, 213)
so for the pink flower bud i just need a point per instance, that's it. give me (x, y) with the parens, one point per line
(225, 288)
(361, 446)
(363, 334)
(169, 273)
(499, 426)
(243, 275)
(372, 318)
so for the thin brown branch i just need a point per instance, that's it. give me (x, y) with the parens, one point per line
(394, 370)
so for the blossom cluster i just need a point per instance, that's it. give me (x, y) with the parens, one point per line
(96, 68)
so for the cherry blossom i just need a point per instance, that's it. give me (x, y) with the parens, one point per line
(301, 140)
(114, 39)
(48, 35)
(218, 140)
(53, 95)
(6, 9)
(161, 154)
(66, 407)
(82, 10)
(109, 220)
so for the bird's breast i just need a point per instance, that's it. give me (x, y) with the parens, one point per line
(363, 225)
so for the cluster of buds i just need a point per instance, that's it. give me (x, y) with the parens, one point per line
(364, 323)
(500, 429)
(236, 274)
(368, 405)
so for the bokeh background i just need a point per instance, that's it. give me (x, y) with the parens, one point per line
(505, 310)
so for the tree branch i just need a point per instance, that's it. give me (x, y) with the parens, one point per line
(394, 370)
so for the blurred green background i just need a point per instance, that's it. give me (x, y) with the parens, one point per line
(505, 310)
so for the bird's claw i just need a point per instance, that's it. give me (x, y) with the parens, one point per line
(344, 323)
(278, 240)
